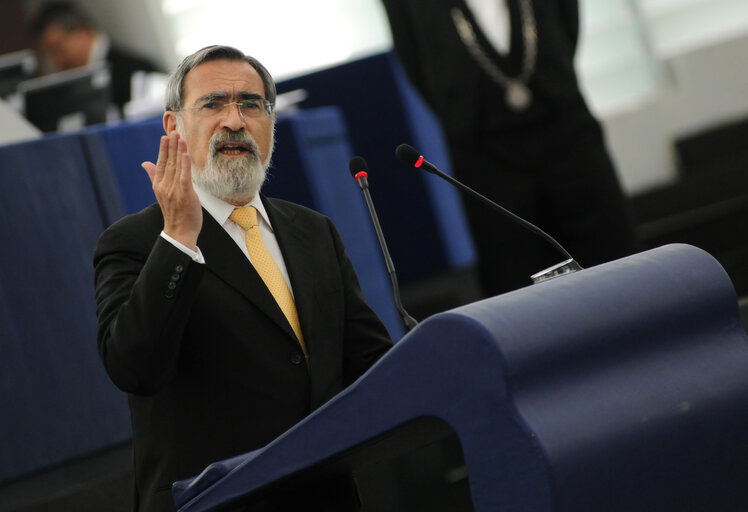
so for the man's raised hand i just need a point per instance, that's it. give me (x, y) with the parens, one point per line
(171, 177)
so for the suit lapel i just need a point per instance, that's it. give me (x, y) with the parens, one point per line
(228, 262)
(296, 244)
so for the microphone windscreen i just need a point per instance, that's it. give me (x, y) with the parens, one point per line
(407, 154)
(356, 165)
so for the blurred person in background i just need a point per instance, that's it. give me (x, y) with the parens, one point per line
(66, 38)
(499, 75)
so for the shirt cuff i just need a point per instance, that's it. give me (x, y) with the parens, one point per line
(197, 257)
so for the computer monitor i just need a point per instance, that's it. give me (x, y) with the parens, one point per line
(15, 68)
(68, 100)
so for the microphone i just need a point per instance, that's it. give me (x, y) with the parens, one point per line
(358, 168)
(410, 156)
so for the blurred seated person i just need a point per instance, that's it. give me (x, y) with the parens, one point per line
(66, 38)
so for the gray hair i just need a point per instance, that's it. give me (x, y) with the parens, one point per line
(175, 86)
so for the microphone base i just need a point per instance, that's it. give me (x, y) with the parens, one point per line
(565, 267)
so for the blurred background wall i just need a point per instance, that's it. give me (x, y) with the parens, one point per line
(654, 71)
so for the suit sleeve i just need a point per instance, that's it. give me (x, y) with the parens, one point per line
(144, 295)
(365, 337)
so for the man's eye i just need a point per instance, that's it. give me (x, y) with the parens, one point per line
(211, 105)
(250, 104)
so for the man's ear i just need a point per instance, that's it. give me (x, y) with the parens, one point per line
(170, 121)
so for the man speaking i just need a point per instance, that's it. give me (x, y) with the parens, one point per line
(225, 315)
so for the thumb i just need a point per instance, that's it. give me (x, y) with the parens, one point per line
(150, 168)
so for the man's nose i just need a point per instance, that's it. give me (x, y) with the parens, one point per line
(233, 118)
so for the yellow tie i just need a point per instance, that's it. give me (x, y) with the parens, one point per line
(268, 269)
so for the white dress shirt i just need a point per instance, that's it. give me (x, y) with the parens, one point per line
(220, 211)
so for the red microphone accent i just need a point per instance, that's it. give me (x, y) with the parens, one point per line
(419, 161)
(361, 174)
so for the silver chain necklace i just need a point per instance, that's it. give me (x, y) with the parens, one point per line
(517, 96)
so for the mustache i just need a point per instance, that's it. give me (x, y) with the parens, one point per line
(235, 137)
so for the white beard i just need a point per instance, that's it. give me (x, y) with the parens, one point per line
(231, 179)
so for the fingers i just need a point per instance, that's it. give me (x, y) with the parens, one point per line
(185, 167)
(156, 171)
(171, 177)
(163, 152)
(169, 167)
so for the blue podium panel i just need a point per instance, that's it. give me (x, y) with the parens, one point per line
(56, 400)
(310, 167)
(620, 387)
(422, 218)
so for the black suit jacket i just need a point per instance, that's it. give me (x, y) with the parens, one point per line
(210, 364)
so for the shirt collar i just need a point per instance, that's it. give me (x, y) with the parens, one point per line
(220, 209)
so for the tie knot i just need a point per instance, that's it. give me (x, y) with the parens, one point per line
(246, 217)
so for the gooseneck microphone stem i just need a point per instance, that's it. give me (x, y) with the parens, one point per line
(362, 179)
(409, 156)
(408, 320)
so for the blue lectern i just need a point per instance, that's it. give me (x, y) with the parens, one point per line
(621, 387)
